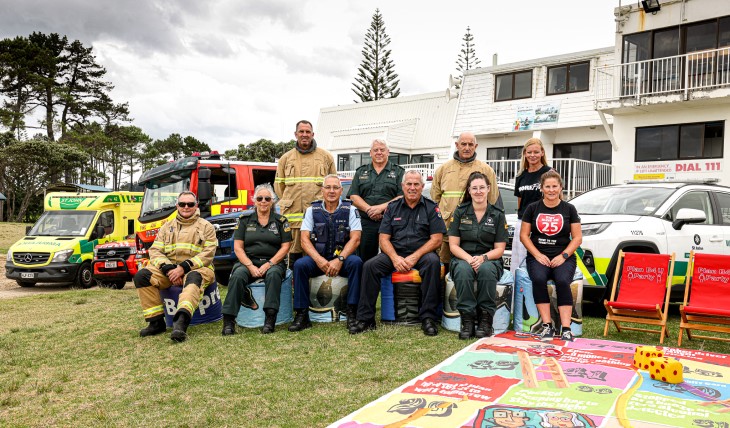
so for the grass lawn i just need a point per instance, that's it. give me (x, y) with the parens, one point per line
(75, 359)
(10, 233)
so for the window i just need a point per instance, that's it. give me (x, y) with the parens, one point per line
(223, 183)
(422, 158)
(353, 161)
(676, 142)
(723, 202)
(695, 200)
(596, 151)
(568, 78)
(513, 86)
(497, 153)
(106, 220)
(397, 158)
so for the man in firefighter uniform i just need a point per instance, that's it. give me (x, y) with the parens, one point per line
(331, 232)
(373, 187)
(182, 255)
(298, 181)
(449, 182)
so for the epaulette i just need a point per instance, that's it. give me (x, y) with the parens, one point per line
(498, 208)
(247, 213)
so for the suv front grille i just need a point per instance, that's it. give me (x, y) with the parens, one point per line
(113, 253)
(31, 258)
(224, 227)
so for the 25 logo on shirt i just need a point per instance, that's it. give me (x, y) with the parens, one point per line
(549, 224)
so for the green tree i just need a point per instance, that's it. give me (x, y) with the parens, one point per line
(467, 58)
(173, 147)
(18, 58)
(376, 78)
(261, 151)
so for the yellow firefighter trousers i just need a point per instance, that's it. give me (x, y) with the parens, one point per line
(189, 299)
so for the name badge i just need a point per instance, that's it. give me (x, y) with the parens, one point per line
(251, 228)
(465, 221)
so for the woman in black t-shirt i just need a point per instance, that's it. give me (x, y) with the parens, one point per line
(527, 190)
(551, 233)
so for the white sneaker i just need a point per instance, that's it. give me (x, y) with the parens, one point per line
(547, 334)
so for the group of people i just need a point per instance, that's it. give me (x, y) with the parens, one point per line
(384, 224)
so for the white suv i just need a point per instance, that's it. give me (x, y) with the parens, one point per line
(650, 217)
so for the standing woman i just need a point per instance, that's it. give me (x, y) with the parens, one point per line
(551, 234)
(477, 239)
(261, 241)
(527, 190)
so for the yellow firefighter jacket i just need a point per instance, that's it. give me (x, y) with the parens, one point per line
(449, 183)
(299, 180)
(179, 240)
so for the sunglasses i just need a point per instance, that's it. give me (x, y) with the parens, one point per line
(263, 198)
(186, 204)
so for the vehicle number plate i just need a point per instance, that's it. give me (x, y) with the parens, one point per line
(507, 261)
(27, 275)
(110, 265)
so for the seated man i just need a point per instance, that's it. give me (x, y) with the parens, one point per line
(182, 255)
(330, 235)
(410, 233)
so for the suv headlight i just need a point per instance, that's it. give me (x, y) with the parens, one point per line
(9, 256)
(95, 252)
(593, 229)
(62, 256)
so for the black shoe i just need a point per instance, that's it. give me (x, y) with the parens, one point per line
(467, 326)
(229, 325)
(301, 321)
(180, 327)
(156, 326)
(484, 325)
(362, 326)
(429, 327)
(269, 322)
(351, 314)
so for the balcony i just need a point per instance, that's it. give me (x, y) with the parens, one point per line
(685, 77)
(578, 175)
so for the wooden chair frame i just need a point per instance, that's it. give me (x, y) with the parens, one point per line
(701, 322)
(656, 316)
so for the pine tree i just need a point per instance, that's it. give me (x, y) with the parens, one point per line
(467, 57)
(376, 78)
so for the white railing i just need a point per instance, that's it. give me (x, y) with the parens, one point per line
(675, 74)
(579, 176)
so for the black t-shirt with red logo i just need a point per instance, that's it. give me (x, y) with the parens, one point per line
(550, 227)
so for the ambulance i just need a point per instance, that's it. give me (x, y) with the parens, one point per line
(59, 247)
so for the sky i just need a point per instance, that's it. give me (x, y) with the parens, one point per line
(230, 72)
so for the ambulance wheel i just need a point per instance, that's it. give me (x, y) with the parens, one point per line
(84, 277)
(116, 285)
(25, 283)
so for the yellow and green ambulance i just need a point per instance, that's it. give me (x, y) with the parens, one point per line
(59, 247)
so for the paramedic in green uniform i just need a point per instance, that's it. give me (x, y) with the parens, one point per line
(261, 241)
(373, 186)
(477, 239)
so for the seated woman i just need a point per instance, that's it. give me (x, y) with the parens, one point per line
(261, 241)
(551, 233)
(477, 239)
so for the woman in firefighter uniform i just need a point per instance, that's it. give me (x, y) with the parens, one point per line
(260, 241)
(182, 255)
(477, 239)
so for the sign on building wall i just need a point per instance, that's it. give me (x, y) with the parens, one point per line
(537, 116)
(677, 170)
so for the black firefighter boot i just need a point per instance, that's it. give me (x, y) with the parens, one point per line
(156, 326)
(351, 314)
(269, 321)
(180, 326)
(484, 326)
(467, 326)
(229, 325)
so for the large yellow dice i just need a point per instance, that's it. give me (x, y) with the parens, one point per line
(666, 370)
(643, 354)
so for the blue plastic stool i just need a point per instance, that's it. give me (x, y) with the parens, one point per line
(255, 318)
(209, 309)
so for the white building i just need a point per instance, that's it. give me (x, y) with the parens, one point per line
(668, 91)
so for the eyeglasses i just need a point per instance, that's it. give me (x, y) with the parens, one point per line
(329, 188)
(186, 204)
(263, 198)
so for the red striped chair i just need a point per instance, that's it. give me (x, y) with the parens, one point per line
(640, 292)
(706, 297)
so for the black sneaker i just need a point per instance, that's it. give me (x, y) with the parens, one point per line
(362, 326)
(567, 334)
(547, 334)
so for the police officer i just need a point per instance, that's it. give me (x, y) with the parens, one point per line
(450, 178)
(330, 234)
(411, 231)
(182, 255)
(373, 187)
(298, 181)
(477, 239)
(261, 241)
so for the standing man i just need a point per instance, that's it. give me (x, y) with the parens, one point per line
(330, 234)
(299, 178)
(373, 187)
(182, 254)
(411, 231)
(449, 182)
